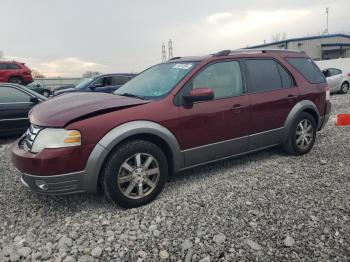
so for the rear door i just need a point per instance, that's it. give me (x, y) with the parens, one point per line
(3, 68)
(14, 107)
(334, 79)
(215, 129)
(273, 93)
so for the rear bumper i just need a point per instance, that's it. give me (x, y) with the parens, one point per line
(55, 185)
(324, 119)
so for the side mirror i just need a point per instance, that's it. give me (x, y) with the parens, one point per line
(200, 94)
(34, 100)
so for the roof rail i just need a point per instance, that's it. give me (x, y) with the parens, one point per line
(265, 50)
(254, 51)
(223, 53)
(174, 58)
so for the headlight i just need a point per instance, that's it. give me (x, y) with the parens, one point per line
(56, 138)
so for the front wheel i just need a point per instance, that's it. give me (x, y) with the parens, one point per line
(344, 88)
(134, 173)
(302, 135)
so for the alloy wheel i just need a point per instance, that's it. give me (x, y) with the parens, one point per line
(138, 175)
(345, 88)
(304, 134)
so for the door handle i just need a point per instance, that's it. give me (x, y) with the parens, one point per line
(237, 108)
(292, 97)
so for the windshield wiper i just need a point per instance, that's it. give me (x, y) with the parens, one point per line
(131, 95)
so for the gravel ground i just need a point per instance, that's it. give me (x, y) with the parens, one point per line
(266, 207)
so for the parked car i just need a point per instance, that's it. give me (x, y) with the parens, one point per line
(15, 103)
(15, 72)
(39, 88)
(107, 83)
(174, 116)
(337, 80)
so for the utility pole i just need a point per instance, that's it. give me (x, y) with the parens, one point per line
(163, 53)
(327, 13)
(170, 47)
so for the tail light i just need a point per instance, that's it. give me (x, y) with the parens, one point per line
(349, 74)
(27, 72)
(328, 93)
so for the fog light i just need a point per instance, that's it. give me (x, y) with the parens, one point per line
(42, 184)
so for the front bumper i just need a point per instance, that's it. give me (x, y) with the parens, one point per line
(60, 184)
(60, 171)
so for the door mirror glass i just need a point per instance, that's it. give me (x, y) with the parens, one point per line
(200, 94)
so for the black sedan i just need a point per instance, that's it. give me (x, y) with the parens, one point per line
(15, 103)
(39, 88)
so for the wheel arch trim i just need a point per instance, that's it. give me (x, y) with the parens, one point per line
(296, 110)
(119, 134)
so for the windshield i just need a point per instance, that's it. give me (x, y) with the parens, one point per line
(82, 83)
(157, 81)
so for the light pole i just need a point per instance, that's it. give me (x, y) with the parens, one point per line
(327, 13)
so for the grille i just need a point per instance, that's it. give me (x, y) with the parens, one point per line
(27, 140)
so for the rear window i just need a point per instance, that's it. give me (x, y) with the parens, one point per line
(13, 66)
(308, 69)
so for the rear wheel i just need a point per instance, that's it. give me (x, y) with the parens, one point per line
(344, 88)
(135, 173)
(16, 80)
(302, 135)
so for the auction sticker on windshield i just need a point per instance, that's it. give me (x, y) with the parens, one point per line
(183, 66)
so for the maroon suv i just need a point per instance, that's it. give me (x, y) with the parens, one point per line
(15, 72)
(174, 116)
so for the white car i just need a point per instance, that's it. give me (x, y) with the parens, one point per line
(337, 80)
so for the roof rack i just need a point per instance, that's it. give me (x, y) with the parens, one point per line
(174, 58)
(255, 51)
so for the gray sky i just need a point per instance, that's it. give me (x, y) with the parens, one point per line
(69, 37)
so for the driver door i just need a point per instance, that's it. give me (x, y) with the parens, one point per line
(215, 129)
(101, 85)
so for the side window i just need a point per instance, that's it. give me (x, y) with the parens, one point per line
(287, 80)
(224, 78)
(308, 69)
(263, 75)
(11, 95)
(99, 83)
(3, 67)
(119, 80)
(13, 66)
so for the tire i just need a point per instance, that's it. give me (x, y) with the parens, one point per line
(45, 93)
(301, 142)
(16, 80)
(124, 173)
(344, 88)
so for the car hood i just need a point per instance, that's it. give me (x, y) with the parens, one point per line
(63, 87)
(62, 110)
(64, 90)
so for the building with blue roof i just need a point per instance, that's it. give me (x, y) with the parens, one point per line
(321, 47)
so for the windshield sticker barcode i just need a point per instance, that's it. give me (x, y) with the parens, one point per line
(182, 66)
